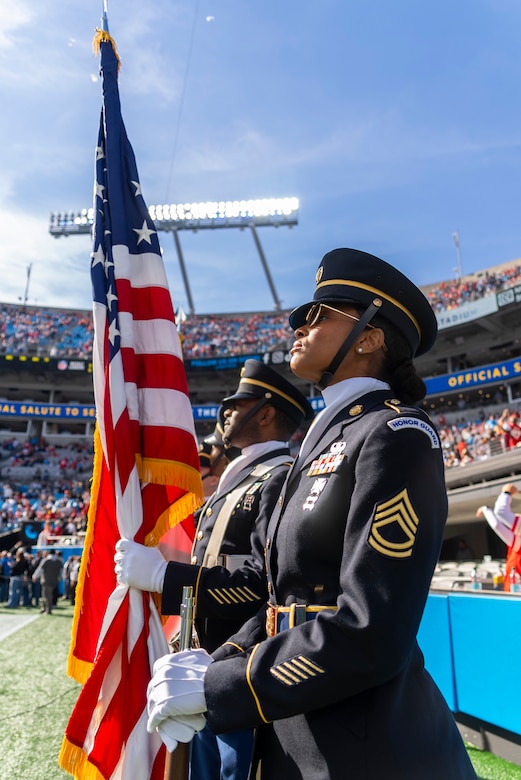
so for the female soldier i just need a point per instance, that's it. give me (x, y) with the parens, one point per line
(331, 674)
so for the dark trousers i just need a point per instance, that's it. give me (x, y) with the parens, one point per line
(48, 597)
(223, 757)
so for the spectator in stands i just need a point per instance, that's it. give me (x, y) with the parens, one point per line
(49, 573)
(74, 570)
(508, 423)
(5, 570)
(507, 525)
(17, 575)
(35, 586)
(44, 537)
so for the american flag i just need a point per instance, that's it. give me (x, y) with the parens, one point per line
(146, 466)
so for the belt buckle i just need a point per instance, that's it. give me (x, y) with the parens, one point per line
(297, 615)
(271, 620)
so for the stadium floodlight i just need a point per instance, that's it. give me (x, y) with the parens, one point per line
(207, 215)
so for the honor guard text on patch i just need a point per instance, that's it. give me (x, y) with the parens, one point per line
(394, 527)
(420, 425)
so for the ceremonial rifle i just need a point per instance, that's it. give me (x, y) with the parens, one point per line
(177, 765)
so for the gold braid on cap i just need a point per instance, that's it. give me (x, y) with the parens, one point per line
(361, 286)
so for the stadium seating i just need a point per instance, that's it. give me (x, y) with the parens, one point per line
(68, 333)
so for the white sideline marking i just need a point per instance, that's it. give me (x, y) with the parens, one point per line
(9, 624)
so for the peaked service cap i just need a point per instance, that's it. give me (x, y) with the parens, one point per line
(260, 381)
(216, 437)
(353, 276)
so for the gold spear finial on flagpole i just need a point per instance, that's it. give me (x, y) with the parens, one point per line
(102, 34)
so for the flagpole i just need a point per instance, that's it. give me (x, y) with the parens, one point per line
(104, 18)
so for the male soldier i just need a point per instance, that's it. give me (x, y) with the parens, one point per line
(227, 565)
(214, 456)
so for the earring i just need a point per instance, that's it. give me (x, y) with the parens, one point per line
(359, 350)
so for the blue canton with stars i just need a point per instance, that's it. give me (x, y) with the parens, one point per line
(120, 213)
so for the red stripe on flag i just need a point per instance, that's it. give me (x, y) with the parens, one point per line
(96, 584)
(159, 370)
(127, 704)
(144, 303)
(126, 445)
(159, 442)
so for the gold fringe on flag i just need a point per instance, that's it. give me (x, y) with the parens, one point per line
(75, 761)
(100, 37)
(183, 508)
(77, 669)
(150, 470)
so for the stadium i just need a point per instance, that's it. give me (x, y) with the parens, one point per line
(473, 379)
(473, 373)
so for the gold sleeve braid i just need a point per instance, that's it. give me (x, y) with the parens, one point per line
(250, 684)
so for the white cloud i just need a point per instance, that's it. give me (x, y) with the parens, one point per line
(59, 268)
(12, 17)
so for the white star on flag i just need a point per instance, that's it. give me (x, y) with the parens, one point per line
(144, 233)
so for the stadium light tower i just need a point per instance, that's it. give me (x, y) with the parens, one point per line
(459, 267)
(208, 215)
(26, 291)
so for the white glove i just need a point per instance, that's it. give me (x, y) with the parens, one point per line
(139, 566)
(180, 730)
(177, 687)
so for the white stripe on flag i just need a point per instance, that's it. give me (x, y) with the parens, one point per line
(144, 336)
(143, 270)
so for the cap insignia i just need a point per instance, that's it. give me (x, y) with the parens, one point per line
(356, 410)
(319, 274)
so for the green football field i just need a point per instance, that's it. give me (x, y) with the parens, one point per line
(37, 698)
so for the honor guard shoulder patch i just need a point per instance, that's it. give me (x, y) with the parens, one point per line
(297, 670)
(394, 527)
(400, 423)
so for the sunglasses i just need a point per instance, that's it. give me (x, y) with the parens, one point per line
(315, 312)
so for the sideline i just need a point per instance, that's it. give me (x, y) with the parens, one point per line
(9, 624)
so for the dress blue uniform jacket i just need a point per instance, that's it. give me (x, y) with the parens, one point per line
(358, 528)
(224, 600)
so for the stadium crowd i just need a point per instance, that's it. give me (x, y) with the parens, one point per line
(477, 440)
(49, 485)
(451, 294)
(57, 333)
(45, 332)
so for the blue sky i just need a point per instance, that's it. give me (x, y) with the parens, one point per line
(396, 124)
